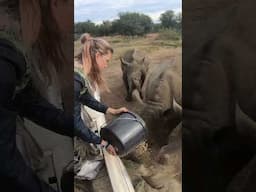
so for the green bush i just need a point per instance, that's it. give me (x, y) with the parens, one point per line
(169, 34)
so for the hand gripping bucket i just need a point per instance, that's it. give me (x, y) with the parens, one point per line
(125, 132)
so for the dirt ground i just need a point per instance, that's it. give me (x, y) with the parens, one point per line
(157, 52)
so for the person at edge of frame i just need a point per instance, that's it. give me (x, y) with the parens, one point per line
(24, 25)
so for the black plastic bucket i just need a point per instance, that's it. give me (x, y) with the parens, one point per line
(125, 132)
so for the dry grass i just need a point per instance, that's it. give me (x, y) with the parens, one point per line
(150, 43)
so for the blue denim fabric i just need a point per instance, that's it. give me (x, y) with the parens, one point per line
(81, 129)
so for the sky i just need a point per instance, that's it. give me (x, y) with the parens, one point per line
(101, 10)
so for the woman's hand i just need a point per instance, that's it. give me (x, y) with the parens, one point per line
(110, 149)
(113, 111)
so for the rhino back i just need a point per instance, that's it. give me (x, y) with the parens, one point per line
(161, 85)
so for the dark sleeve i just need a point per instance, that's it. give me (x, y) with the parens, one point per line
(88, 100)
(81, 129)
(91, 102)
(83, 132)
(245, 85)
(33, 106)
(14, 173)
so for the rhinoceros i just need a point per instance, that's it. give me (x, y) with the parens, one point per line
(134, 66)
(160, 101)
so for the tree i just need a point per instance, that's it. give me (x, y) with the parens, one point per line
(156, 27)
(85, 27)
(168, 19)
(132, 24)
(105, 28)
(178, 20)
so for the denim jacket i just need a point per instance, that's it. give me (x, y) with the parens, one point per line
(82, 96)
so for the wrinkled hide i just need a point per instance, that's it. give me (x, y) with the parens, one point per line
(160, 101)
(134, 66)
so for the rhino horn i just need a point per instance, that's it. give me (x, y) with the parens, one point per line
(136, 97)
(124, 62)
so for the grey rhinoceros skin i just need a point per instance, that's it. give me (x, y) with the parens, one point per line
(160, 101)
(134, 66)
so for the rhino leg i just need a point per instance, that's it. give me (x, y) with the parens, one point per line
(129, 96)
(143, 77)
(129, 90)
(126, 87)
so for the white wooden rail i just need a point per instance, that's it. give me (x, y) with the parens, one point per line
(119, 178)
(118, 175)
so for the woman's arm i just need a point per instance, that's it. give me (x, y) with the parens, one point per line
(81, 129)
(83, 132)
(14, 172)
(33, 106)
(87, 99)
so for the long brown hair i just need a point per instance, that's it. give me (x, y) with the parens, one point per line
(87, 56)
(44, 34)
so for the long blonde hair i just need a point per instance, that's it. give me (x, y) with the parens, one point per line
(87, 56)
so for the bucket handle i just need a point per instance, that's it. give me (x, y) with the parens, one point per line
(135, 116)
(125, 118)
(131, 114)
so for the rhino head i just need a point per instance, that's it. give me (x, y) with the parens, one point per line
(134, 67)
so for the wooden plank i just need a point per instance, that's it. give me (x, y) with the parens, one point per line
(118, 175)
(119, 178)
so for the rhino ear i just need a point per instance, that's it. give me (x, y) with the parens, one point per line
(124, 62)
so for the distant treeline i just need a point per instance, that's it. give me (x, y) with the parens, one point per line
(131, 24)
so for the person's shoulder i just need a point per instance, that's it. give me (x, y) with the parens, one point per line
(10, 51)
(11, 54)
(80, 84)
(78, 78)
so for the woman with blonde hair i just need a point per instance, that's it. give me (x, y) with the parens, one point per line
(90, 61)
